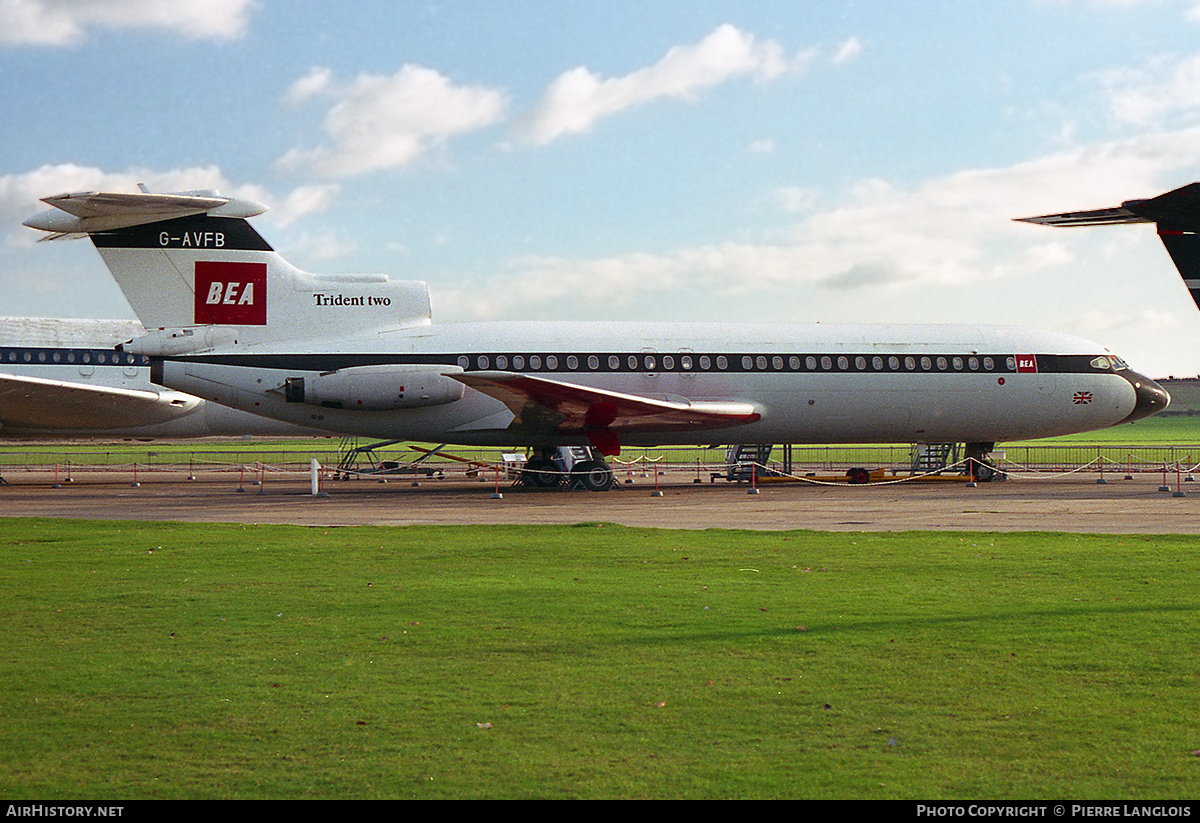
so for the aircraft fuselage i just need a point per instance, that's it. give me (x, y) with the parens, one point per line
(809, 383)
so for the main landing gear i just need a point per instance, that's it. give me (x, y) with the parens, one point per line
(980, 466)
(573, 466)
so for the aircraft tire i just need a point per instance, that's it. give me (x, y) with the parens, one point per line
(984, 473)
(858, 476)
(541, 474)
(595, 475)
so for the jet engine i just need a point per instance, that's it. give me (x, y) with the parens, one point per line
(376, 388)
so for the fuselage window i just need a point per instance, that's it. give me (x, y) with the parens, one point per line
(57, 357)
(794, 363)
(747, 362)
(668, 362)
(70, 357)
(593, 362)
(87, 357)
(910, 363)
(483, 361)
(518, 361)
(777, 363)
(988, 363)
(877, 363)
(843, 362)
(942, 363)
(649, 363)
(464, 362)
(826, 362)
(810, 363)
(705, 362)
(28, 357)
(894, 363)
(535, 362)
(501, 361)
(958, 364)
(1011, 362)
(973, 363)
(926, 364)
(572, 362)
(860, 363)
(761, 362)
(685, 362)
(722, 362)
(614, 362)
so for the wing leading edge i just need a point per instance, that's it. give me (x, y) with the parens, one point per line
(36, 403)
(602, 416)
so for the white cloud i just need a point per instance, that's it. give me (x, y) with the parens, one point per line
(67, 22)
(578, 98)
(1145, 96)
(303, 201)
(386, 122)
(847, 51)
(794, 199)
(951, 232)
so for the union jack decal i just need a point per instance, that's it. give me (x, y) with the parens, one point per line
(1082, 398)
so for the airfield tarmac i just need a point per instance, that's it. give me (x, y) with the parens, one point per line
(1073, 503)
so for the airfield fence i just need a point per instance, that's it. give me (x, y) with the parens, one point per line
(489, 463)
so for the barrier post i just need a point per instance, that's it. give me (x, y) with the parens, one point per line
(314, 475)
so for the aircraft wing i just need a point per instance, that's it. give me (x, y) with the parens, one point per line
(37, 403)
(553, 406)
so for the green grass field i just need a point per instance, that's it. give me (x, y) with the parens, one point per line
(149, 660)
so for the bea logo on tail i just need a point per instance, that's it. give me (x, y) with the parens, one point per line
(231, 293)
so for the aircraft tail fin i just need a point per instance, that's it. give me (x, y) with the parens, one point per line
(191, 259)
(1176, 215)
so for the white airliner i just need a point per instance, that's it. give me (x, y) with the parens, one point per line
(234, 323)
(64, 378)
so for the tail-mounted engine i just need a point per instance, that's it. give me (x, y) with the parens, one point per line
(376, 388)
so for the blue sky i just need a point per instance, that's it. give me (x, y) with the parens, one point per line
(631, 160)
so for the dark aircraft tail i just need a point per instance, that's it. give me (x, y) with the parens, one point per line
(1176, 214)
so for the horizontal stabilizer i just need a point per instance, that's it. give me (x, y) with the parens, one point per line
(1096, 217)
(554, 406)
(1177, 210)
(91, 212)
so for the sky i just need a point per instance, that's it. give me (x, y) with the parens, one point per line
(674, 160)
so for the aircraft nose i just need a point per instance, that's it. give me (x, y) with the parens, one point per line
(1151, 397)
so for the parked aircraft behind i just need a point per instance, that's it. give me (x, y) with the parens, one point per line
(63, 378)
(231, 321)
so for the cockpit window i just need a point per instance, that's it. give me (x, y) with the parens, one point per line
(1101, 363)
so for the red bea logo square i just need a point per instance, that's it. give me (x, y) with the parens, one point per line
(232, 294)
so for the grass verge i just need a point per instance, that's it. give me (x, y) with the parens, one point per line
(147, 660)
